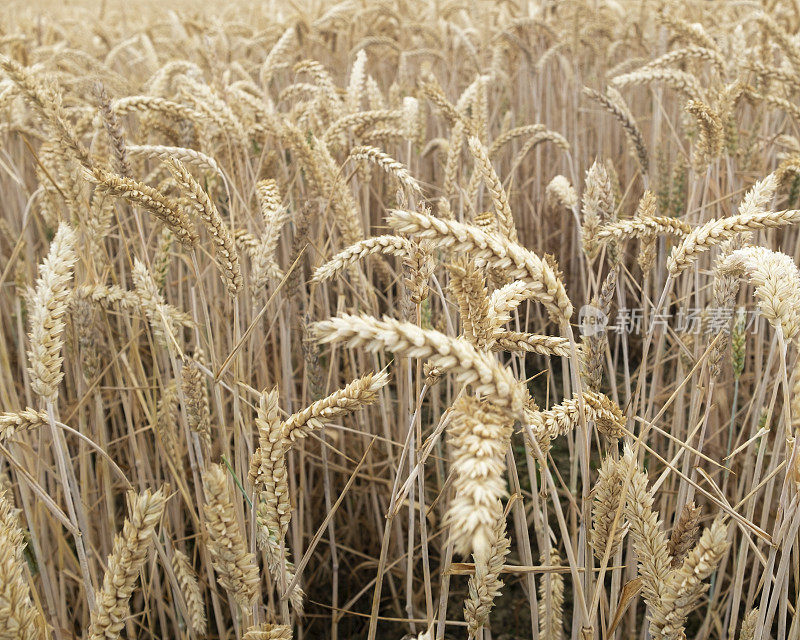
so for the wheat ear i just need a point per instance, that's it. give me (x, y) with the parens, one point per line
(471, 367)
(236, 568)
(776, 279)
(18, 617)
(266, 631)
(751, 216)
(485, 585)
(515, 261)
(606, 500)
(480, 436)
(187, 580)
(649, 542)
(48, 305)
(224, 246)
(384, 245)
(124, 565)
(356, 395)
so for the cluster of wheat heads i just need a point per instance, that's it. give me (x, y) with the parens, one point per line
(293, 320)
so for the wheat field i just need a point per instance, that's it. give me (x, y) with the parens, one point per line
(400, 319)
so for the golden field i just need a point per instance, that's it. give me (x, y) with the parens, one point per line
(400, 319)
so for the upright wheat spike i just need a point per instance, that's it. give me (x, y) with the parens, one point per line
(195, 393)
(18, 617)
(605, 504)
(485, 585)
(684, 534)
(187, 580)
(649, 543)
(236, 568)
(48, 305)
(275, 216)
(483, 165)
(551, 599)
(268, 475)
(598, 205)
(124, 565)
(686, 585)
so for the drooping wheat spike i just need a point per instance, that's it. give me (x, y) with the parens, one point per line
(195, 393)
(266, 631)
(276, 55)
(483, 165)
(480, 435)
(18, 617)
(649, 542)
(274, 216)
(224, 246)
(187, 156)
(46, 101)
(187, 580)
(684, 534)
(606, 500)
(690, 52)
(563, 418)
(504, 300)
(531, 343)
(598, 205)
(468, 287)
(643, 226)
(127, 558)
(12, 422)
(236, 568)
(165, 209)
(353, 397)
(551, 599)
(776, 279)
(615, 104)
(450, 354)
(387, 163)
(711, 137)
(751, 216)
(485, 585)
(680, 81)
(47, 307)
(515, 261)
(560, 191)
(385, 245)
(686, 586)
